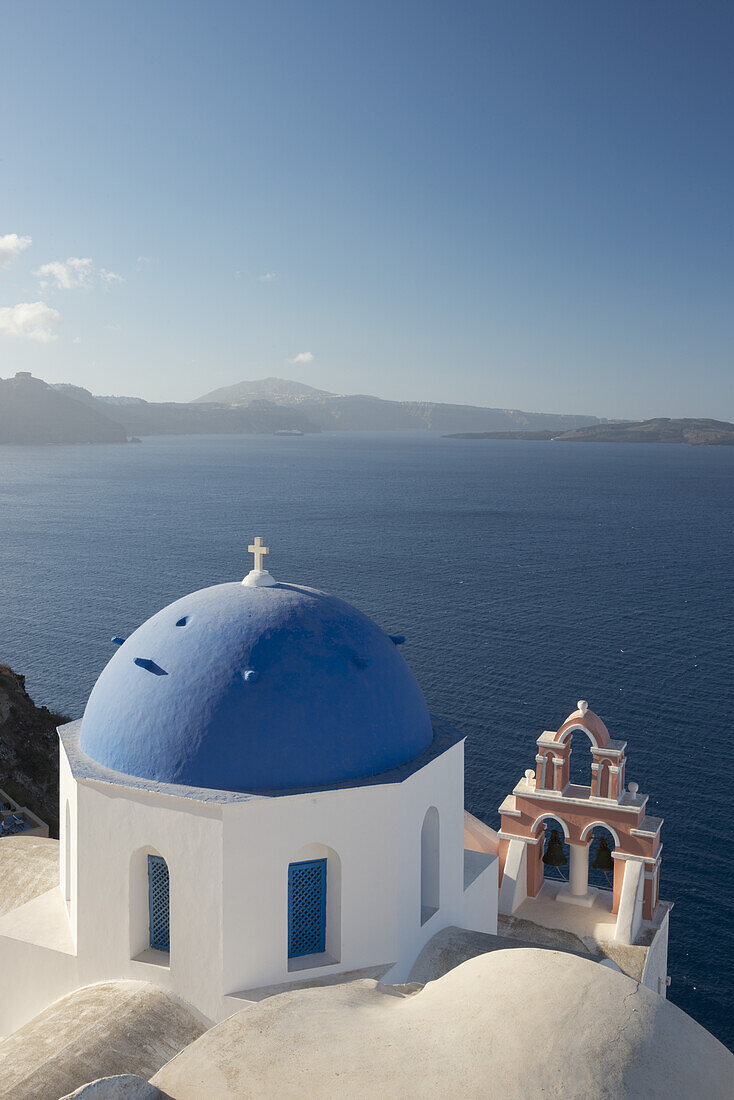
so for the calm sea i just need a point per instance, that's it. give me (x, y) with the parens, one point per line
(525, 576)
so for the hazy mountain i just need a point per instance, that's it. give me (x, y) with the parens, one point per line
(272, 388)
(139, 417)
(695, 431)
(360, 412)
(33, 412)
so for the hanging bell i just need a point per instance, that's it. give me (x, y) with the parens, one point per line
(603, 859)
(554, 856)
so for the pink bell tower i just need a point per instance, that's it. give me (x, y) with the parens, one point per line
(547, 792)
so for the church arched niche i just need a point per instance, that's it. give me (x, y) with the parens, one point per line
(430, 864)
(314, 907)
(150, 906)
(601, 848)
(552, 849)
(67, 857)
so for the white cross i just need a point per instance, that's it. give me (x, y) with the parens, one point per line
(258, 550)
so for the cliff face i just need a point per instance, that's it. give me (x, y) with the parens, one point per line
(29, 750)
(32, 412)
(139, 417)
(333, 412)
(259, 417)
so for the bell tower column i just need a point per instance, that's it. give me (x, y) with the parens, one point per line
(578, 872)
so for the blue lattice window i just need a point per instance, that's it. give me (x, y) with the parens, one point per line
(306, 908)
(158, 903)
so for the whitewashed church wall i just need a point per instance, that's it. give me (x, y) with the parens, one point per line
(228, 871)
(117, 828)
(441, 784)
(263, 837)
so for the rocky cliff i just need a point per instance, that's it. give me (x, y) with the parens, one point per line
(29, 750)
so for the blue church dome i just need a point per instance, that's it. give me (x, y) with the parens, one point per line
(256, 688)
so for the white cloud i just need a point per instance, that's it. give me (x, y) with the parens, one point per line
(11, 245)
(72, 274)
(76, 273)
(77, 340)
(303, 357)
(109, 278)
(30, 321)
(145, 260)
(268, 277)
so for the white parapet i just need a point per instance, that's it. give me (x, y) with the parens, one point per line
(514, 888)
(629, 917)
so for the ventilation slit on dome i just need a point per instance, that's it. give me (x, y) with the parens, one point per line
(117, 640)
(149, 666)
(182, 621)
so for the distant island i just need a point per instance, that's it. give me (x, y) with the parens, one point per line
(32, 412)
(697, 432)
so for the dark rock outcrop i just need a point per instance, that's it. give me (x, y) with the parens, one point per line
(29, 750)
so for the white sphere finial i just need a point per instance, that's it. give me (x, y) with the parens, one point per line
(633, 788)
(258, 577)
(583, 706)
(529, 774)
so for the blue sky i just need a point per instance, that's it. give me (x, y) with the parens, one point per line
(523, 204)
